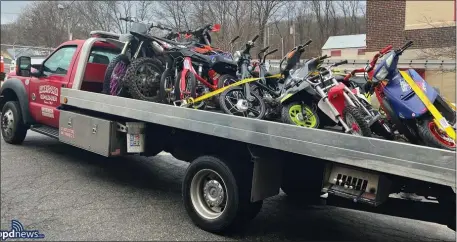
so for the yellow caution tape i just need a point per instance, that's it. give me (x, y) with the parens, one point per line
(190, 101)
(439, 119)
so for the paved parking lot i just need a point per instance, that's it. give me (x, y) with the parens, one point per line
(70, 194)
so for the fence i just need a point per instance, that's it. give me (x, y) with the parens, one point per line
(354, 64)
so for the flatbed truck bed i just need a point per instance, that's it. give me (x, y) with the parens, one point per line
(402, 159)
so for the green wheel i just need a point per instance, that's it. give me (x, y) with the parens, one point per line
(300, 114)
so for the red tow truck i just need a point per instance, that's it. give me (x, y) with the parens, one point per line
(235, 162)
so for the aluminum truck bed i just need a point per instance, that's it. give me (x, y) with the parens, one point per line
(416, 162)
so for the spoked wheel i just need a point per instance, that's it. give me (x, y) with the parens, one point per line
(300, 114)
(434, 136)
(233, 101)
(143, 78)
(115, 72)
(354, 118)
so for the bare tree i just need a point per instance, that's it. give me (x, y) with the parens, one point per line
(42, 23)
(263, 10)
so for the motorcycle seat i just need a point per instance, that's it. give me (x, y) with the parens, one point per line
(339, 78)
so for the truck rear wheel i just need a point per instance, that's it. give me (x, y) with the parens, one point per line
(217, 197)
(12, 124)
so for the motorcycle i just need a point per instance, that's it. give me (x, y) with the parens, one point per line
(144, 75)
(269, 89)
(135, 44)
(337, 104)
(247, 103)
(197, 71)
(414, 107)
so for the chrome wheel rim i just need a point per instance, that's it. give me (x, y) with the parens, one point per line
(208, 194)
(8, 123)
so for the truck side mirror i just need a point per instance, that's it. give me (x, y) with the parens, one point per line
(23, 66)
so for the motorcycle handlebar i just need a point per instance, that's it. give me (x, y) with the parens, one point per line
(233, 40)
(255, 38)
(323, 57)
(307, 43)
(271, 52)
(385, 50)
(264, 49)
(407, 45)
(318, 76)
(341, 63)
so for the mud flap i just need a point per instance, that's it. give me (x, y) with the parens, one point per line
(267, 173)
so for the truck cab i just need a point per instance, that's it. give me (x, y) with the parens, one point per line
(36, 87)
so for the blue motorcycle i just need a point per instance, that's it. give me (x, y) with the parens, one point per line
(408, 113)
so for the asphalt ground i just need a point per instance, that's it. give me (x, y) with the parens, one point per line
(70, 194)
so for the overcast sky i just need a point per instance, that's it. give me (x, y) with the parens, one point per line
(10, 10)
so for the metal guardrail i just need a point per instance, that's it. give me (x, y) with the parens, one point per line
(416, 64)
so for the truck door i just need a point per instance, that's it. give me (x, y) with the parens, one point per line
(44, 92)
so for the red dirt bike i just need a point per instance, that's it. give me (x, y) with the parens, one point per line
(198, 70)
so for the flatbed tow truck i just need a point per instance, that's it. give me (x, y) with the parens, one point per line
(235, 162)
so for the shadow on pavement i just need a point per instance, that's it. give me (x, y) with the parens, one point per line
(279, 219)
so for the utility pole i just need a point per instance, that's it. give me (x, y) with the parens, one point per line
(294, 32)
(282, 39)
(60, 6)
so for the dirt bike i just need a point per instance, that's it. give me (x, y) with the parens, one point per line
(335, 102)
(269, 89)
(245, 73)
(414, 107)
(195, 71)
(134, 44)
(143, 77)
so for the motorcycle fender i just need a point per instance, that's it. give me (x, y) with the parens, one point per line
(336, 97)
(326, 109)
(286, 97)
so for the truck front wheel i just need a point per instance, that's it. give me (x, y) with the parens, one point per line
(12, 124)
(216, 197)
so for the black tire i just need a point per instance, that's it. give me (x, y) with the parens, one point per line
(426, 129)
(286, 116)
(302, 180)
(380, 129)
(109, 72)
(257, 98)
(147, 92)
(221, 82)
(163, 92)
(358, 117)
(12, 125)
(236, 182)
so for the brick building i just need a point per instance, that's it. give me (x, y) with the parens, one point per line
(430, 24)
